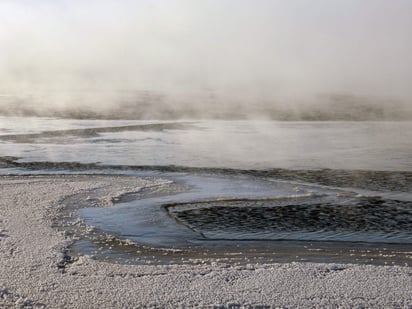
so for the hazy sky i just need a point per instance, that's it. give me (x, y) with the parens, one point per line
(270, 47)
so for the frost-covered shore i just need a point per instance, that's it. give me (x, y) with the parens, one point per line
(31, 251)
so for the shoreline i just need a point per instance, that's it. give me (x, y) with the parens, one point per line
(32, 252)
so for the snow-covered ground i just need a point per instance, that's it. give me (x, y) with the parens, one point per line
(32, 252)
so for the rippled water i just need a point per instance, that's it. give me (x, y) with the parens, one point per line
(361, 219)
(238, 182)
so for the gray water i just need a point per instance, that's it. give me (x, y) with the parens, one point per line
(222, 208)
(243, 183)
(228, 144)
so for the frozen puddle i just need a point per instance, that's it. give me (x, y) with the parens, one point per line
(219, 215)
(214, 207)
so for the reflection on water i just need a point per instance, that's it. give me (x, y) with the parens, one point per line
(216, 207)
(226, 144)
(254, 217)
(248, 184)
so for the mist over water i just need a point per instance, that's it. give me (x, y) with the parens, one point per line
(121, 73)
(348, 60)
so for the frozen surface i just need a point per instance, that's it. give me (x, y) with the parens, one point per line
(33, 272)
(216, 208)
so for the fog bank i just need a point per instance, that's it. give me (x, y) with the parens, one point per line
(227, 59)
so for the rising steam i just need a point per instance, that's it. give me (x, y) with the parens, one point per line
(215, 58)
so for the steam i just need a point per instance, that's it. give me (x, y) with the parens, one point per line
(181, 57)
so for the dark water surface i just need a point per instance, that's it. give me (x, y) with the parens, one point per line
(248, 217)
(234, 190)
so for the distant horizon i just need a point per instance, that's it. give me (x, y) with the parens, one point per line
(148, 105)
